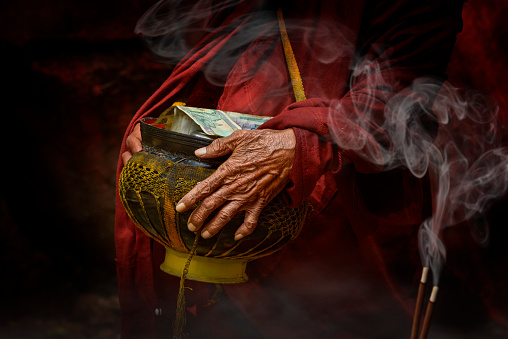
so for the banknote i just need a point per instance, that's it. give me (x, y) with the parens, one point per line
(189, 120)
(247, 121)
(183, 123)
(211, 121)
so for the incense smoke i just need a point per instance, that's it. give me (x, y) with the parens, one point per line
(170, 27)
(455, 140)
(468, 168)
(433, 128)
(175, 29)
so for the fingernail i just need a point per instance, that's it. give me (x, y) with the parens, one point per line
(180, 207)
(206, 235)
(238, 237)
(191, 227)
(200, 151)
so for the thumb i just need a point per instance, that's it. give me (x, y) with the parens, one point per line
(220, 146)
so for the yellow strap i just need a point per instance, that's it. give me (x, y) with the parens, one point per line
(294, 72)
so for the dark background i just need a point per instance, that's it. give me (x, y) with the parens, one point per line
(73, 74)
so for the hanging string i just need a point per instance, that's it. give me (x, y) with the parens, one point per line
(299, 92)
(181, 310)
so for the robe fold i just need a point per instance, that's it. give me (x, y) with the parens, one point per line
(358, 250)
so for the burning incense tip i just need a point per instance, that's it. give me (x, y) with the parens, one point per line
(433, 295)
(425, 273)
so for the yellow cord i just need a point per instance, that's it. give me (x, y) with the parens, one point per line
(181, 316)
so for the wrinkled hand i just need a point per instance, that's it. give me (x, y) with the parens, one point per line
(133, 143)
(257, 170)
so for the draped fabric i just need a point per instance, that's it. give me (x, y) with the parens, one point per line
(358, 247)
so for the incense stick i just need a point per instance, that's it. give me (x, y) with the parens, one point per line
(428, 313)
(419, 303)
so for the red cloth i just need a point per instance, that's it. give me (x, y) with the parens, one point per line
(353, 58)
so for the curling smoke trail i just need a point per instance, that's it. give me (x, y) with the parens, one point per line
(432, 127)
(174, 29)
(466, 160)
(468, 168)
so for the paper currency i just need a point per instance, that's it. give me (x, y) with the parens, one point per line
(247, 121)
(183, 123)
(213, 122)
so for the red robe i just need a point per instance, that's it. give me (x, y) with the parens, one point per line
(357, 254)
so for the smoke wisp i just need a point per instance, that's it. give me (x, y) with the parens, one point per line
(449, 133)
(432, 127)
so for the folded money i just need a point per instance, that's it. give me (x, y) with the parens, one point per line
(213, 122)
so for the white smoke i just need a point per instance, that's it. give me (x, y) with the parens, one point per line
(433, 128)
(468, 166)
(456, 141)
(173, 28)
(169, 25)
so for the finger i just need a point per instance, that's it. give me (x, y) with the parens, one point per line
(221, 219)
(220, 146)
(199, 192)
(126, 156)
(221, 176)
(249, 223)
(237, 190)
(134, 142)
(207, 206)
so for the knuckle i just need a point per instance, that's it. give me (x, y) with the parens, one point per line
(205, 187)
(225, 216)
(197, 220)
(226, 195)
(217, 145)
(208, 204)
(238, 133)
(214, 145)
(197, 217)
(250, 225)
(226, 170)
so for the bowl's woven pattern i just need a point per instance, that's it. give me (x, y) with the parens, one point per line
(150, 186)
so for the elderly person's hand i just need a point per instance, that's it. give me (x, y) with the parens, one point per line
(133, 143)
(257, 170)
